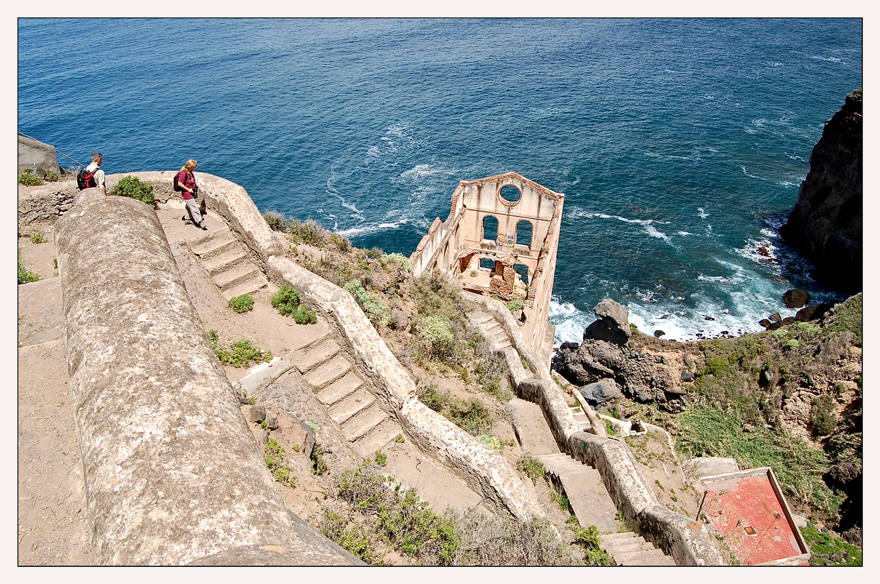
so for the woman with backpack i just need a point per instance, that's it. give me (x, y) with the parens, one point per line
(186, 183)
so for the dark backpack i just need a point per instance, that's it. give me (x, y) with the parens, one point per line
(85, 179)
(176, 182)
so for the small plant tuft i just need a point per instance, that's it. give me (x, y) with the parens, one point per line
(532, 467)
(38, 238)
(242, 303)
(286, 301)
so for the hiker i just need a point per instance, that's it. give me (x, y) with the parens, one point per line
(92, 175)
(190, 193)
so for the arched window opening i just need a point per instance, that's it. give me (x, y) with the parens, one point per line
(524, 233)
(490, 228)
(487, 263)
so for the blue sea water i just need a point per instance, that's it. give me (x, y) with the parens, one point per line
(679, 143)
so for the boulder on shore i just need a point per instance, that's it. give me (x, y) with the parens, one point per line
(613, 323)
(795, 298)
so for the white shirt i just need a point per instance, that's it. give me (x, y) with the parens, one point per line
(99, 176)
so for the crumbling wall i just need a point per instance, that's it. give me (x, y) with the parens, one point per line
(173, 474)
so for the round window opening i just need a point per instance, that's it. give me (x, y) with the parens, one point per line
(510, 193)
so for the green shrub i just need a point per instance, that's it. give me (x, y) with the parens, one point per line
(433, 397)
(381, 458)
(532, 467)
(515, 305)
(135, 188)
(435, 332)
(38, 238)
(351, 536)
(275, 221)
(306, 232)
(792, 344)
(28, 178)
(51, 176)
(588, 540)
(241, 303)
(471, 415)
(376, 310)
(286, 301)
(341, 242)
(405, 263)
(708, 431)
(25, 276)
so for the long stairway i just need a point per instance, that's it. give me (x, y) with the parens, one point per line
(339, 387)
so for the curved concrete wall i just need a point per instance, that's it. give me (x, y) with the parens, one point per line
(173, 474)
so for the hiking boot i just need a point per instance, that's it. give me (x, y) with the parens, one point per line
(202, 225)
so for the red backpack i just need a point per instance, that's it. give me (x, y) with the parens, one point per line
(85, 179)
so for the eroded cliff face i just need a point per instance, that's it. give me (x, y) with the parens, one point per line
(826, 223)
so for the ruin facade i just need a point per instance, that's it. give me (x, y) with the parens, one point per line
(500, 239)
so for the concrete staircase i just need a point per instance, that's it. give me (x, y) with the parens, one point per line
(228, 263)
(342, 390)
(585, 491)
(629, 549)
(491, 330)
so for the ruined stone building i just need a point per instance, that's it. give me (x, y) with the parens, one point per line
(501, 238)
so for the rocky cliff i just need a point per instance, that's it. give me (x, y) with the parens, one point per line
(826, 223)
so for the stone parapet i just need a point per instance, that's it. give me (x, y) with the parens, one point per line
(173, 475)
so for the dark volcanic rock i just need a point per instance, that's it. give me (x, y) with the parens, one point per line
(826, 222)
(813, 312)
(641, 376)
(795, 298)
(613, 323)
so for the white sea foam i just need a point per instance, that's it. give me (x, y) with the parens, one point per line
(702, 213)
(367, 229)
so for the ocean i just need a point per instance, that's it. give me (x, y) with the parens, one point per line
(679, 143)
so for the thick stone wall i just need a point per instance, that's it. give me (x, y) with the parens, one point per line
(173, 474)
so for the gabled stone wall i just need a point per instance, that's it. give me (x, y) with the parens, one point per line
(513, 224)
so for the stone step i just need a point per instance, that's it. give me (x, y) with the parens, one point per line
(214, 244)
(653, 557)
(226, 260)
(377, 438)
(310, 357)
(624, 536)
(636, 544)
(236, 275)
(328, 372)
(630, 549)
(351, 405)
(363, 422)
(340, 388)
(250, 287)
